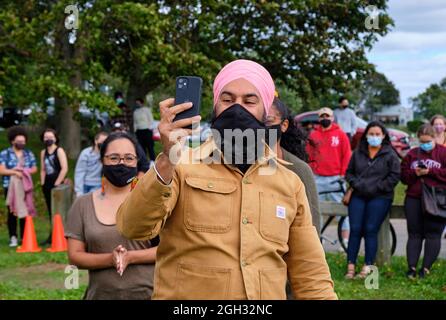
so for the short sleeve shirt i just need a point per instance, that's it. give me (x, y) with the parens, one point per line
(136, 282)
(9, 159)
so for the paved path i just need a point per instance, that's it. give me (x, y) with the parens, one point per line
(401, 235)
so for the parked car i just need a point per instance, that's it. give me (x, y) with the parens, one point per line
(398, 138)
(10, 116)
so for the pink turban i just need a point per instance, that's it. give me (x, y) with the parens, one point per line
(251, 71)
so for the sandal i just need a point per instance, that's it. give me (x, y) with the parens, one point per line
(365, 271)
(350, 272)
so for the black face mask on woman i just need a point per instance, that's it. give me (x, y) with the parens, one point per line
(239, 149)
(119, 175)
(49, 142)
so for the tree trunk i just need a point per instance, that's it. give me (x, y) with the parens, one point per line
(138, 88)
(69, 128)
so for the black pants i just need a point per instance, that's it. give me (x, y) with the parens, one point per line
(145, 139)
(12, 222)
(422, 226)
(46, 189)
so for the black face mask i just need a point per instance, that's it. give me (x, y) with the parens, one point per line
(119, 175)
(49, 143)
(19, 146)
(325, 123)
(242, 155)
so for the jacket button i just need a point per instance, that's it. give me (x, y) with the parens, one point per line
(245, 221)
(246, 181)
(210, 185)
(244, 264)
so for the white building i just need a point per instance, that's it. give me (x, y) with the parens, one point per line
(398, 115)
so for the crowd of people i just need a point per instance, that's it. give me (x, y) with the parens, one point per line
(149, 227)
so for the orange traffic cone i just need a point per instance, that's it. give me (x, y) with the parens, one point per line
(29, 241)
(58, 241)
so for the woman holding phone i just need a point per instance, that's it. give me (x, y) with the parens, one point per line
(424, 164)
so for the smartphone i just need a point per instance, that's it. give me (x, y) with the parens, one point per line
(421, 165)
(188, 89)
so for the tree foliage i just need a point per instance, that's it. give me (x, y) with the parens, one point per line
(432, 101)
(311, 47)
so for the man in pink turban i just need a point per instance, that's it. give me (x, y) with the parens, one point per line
(227, 231)
(252, 72)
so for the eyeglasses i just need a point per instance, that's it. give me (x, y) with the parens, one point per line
(128, 159)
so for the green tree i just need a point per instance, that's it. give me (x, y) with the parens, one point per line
(376, 92)
(432, 101)
(312, 47)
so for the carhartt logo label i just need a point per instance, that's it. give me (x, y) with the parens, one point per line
(280, 212)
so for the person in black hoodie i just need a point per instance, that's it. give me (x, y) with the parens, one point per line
(373, 173)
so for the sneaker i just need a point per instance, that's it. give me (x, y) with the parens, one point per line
(411, 274)
(13, 241)
(423, 273)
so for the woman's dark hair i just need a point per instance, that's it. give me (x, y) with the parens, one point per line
(364, 144)
(52, 131)
(293, 140)
(342, 98)
(426, 130)
(97, 135)
(116, 136)
(15, 131)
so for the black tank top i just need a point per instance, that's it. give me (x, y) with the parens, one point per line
(52, 164)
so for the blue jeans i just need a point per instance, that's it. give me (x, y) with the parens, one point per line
(88, 189)
(366, 217)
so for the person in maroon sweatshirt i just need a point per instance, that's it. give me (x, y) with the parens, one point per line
(427, 162)
(329, 153)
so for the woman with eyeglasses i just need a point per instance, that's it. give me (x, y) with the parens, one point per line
(118, 268)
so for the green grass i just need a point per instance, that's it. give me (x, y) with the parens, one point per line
(42, 276)
(393, 285)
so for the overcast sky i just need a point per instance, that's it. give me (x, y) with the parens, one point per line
(413, 54)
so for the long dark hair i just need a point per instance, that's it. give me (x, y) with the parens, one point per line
(116, 136)
(386, 141)
(294, 139)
